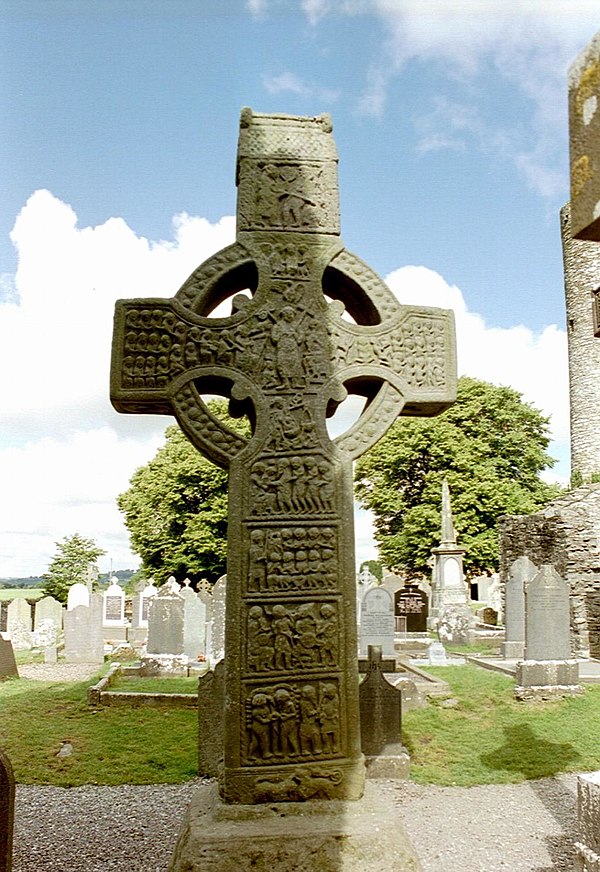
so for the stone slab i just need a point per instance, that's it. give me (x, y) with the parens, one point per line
(534, 673)
(393, 762)
(323, 835)
(7, 812)
(512, 650)
(8, 664)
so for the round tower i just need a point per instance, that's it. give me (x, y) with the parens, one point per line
(582, 279)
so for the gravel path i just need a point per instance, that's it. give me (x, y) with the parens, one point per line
(518, 828)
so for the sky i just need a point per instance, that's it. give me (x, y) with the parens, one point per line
(118, 136)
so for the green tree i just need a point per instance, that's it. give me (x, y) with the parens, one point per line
(176, 509)
(374, 567)
(491, 447)
(74, 555)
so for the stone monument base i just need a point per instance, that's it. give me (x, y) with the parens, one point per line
(163, 665)
(331, 836)
(587, 849)
(393, 762)
(512, 650)
(547, 679)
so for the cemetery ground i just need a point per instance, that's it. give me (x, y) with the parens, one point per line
(134, 769)
(477, 734)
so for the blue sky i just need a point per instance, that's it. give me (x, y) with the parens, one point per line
(450, 120)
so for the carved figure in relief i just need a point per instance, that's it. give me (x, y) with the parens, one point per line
(330, 718)
(257, 560)
(283, 633)
(260, 640)
(260, 727)
(310, 734)
(286, 336)
(327, 634)
(306, 649)
(286, 718)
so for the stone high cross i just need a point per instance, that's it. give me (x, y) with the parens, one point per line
(286, 357)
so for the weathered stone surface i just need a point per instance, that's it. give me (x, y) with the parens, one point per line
(165, 622)
(521, 572)
(328, 836)
(381, 723)
(19, 624)
(377, 622)
(587, 846)
(547, 616)
(7, 812)
(287, 358)
(8, 664)
(211, 721)
(564, 533)
(584, 140)
(84, 641)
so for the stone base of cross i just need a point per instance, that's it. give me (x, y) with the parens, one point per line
(309, 324)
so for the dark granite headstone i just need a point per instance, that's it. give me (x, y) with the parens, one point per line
(287, 358)
(8, 664)
(7, 812)
(411, 603)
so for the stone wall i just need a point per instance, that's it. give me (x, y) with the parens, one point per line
(567, 534)
(582, 278)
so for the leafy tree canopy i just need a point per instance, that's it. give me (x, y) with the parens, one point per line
(176, 509)
(374, 567)
(490, 446)
(74, 555)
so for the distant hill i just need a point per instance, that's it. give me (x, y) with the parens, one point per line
(37, 581)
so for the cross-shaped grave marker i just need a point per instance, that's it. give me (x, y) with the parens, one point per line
(286, 357)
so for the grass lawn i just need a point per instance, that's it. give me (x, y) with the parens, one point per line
(155, 685)
(111, 745)
(490, 738)
(11, 593)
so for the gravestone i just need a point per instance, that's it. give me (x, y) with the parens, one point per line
(287, 358)
(436, 654)
(48, 611)
(584, 141)
(84, 642)
(521, 572)
(377, 624)
(587, 845)
(548, 669)
(381, 722)
(19, 624)
(165, 621)
(8, 664)
(139, 614)
(113, 612)
(448, 587)
(78, 595)
(194, 623)
(216, 628)
(7, 812)
(411, 604)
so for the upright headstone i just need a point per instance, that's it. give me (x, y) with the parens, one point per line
(377, 624)
(113, 612)
(19, 624)
(411, 605)
(194, 624)
(165, 622)
(548, 669)
(8, 664)
(47, 610)
(521, 572)
(138, 631)
(216, 627)
(584, 140)
(381, 722)
(449, 588)
(7, 812)
(286, 357)
(84, 641)
(78, 595)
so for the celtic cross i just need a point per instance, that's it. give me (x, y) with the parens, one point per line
(314, 324)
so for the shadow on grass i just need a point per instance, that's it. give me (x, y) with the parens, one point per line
(529, 755)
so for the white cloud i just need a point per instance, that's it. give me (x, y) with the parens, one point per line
(288, 82)
(65, 454)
